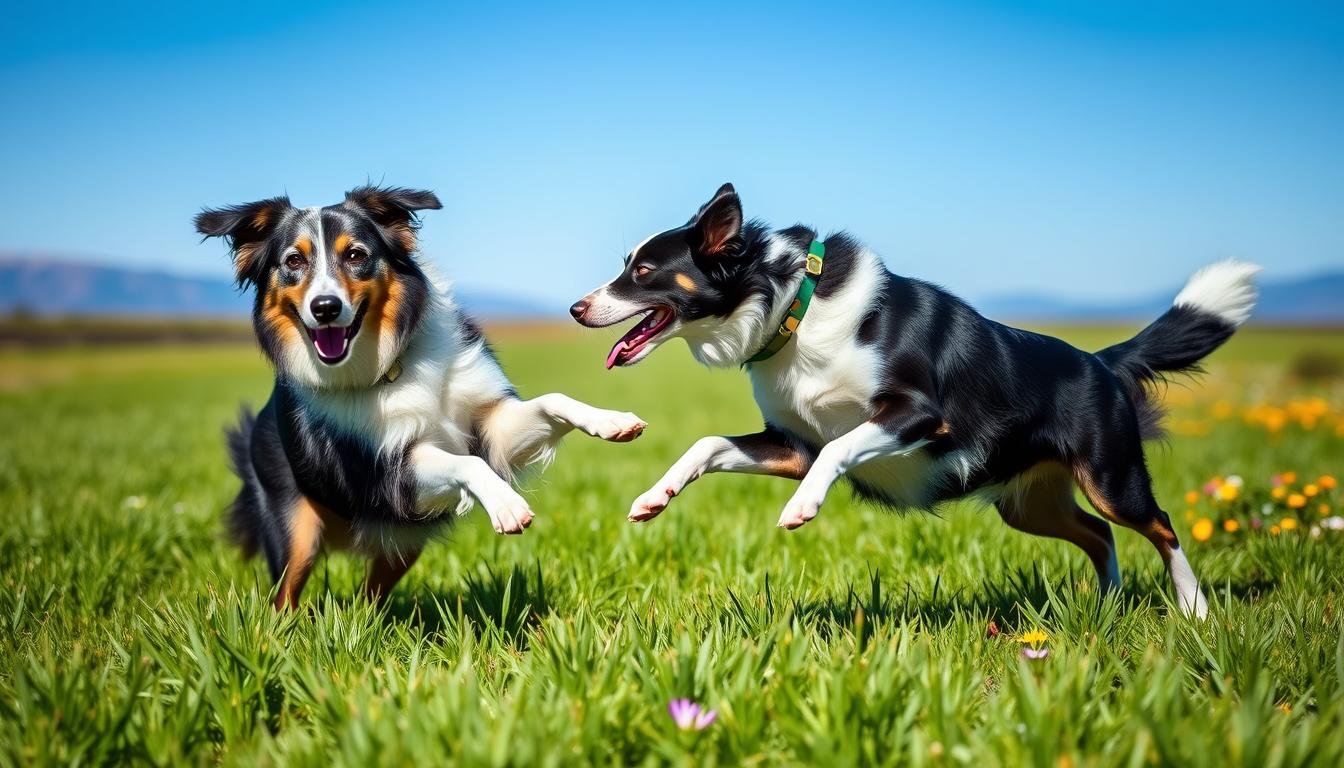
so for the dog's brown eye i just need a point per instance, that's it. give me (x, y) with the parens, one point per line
(642, 270)
(356, 254)
(295, 261)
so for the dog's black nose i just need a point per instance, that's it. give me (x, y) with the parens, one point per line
(326, 308)
(579, 308)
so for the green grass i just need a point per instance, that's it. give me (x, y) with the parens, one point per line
(130, 632)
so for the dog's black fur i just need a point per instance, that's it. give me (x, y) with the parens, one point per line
(389, 409)
(999, 401)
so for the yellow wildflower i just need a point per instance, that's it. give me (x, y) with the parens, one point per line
(1324, 509)
(1274, 529)
(1279, 493)
(1034, 637)
(1192, 497)
(1231, 526)
(1288, 523)
(1203, 529)
(1289, 478)
(1228, 492)
(1327, 482)
(1310, 490)
(1297, 501)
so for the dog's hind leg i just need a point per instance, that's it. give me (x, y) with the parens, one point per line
(305, 535)
(516, 433)
(1040, 502)
(1119, 487)
(771, 452)
(384, 573)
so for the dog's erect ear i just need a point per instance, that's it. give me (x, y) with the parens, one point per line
(719, 222)
(393, 210)
(245, 227)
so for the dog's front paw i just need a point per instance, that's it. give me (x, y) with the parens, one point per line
(510, 516)
(617, 427)
(650, 504)
(800, 509)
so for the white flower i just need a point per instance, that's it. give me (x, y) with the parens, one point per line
(1235, 481)
(1335, 523)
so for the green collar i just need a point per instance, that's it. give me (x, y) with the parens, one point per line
(816, 253)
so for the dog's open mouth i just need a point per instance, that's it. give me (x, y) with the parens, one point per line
(635, 340)
(332, 342)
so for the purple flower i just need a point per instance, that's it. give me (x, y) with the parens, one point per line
(690, 716)
(1035, 653)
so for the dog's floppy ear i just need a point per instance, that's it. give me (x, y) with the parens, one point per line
(393, 210)
(245, 228)
(719, 222)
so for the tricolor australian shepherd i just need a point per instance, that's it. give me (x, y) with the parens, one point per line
(389, 410)
(905, 389)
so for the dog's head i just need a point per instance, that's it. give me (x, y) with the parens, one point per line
(684, 282)
(337, 288)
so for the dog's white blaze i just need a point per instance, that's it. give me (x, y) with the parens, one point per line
(605, 309)
(324, 282)
(1225, 289)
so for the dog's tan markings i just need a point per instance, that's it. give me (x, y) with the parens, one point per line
(305, 246)
(405, 235)
(305, 534)
(943, 430)
(381, 295)
(278, 306)
(261, 218)
(1040, 502)
(1094, 495)
(403, 231)
(774, 458)
(343, 241)
(353, 286)
(686, 282)
(384, 573)
(1156, 530)
(245, 258)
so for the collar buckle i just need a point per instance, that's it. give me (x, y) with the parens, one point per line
(813, 264)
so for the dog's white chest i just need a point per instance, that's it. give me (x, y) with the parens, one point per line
(817, 402)
(821, 403)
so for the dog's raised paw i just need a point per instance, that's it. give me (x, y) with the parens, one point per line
(649, 505)
(511, 518)
(797, 513)
(619, 427)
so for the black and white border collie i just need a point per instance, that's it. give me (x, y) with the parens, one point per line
(389, 410)
(908, 392)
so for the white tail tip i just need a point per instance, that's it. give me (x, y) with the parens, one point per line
(1226, 289)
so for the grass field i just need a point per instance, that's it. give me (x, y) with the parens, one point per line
(129, 632)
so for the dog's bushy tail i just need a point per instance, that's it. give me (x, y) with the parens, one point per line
(1213, 304)
(244, 520)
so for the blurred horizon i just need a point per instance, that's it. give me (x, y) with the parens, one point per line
(1100, 152)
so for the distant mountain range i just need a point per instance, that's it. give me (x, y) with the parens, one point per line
(47, 286)
(43, 286)
(1313, 300)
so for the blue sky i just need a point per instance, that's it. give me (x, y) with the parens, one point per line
(1099, 150)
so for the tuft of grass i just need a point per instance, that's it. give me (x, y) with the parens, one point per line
(131, 632)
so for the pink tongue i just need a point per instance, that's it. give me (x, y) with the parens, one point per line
(616, 350)
(330, 341)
